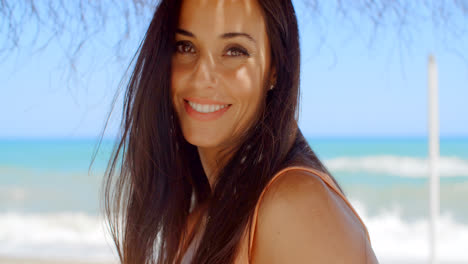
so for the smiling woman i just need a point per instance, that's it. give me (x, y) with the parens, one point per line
(212, 166)
(226, 65)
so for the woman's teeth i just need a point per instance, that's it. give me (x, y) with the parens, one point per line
(206, 108)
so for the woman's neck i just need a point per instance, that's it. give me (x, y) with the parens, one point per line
(211, 161)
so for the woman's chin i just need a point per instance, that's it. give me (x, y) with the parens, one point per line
(204, 141)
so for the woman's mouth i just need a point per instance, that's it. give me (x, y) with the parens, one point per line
(205, 112)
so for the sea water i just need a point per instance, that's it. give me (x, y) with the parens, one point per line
(50, 198)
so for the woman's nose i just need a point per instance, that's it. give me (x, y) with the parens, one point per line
(205, 72)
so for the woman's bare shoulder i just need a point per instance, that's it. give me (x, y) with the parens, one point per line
(301, 219)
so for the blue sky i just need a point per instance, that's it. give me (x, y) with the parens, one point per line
(353, 85)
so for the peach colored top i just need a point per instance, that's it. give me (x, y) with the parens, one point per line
(245, 253)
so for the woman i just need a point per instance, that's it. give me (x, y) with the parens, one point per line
(209, 125)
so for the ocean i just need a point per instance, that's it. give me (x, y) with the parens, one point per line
(49, 201)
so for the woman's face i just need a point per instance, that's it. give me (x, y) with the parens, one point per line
(219, 69)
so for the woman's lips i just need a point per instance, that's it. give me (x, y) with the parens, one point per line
(204, 116)
(203, 101)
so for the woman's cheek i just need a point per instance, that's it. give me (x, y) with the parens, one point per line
(232, 64)
(247, 79)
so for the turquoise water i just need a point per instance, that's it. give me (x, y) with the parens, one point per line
(414, 147)
(48, 190)
(51, 175)
(387, 173)
(58, 155)
(36, 172)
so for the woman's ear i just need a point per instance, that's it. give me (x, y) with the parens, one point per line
(273, 76)
(272, 79)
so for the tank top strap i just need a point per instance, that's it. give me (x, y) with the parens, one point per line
(326, 178)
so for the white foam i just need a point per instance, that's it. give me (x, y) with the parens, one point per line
(399, 240)
(58, 235)
(398, 165)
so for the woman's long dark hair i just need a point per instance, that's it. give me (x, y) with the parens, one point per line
(154, 171)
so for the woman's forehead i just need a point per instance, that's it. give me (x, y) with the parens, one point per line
(207, 18)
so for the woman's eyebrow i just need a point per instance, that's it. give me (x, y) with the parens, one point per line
(224, 36)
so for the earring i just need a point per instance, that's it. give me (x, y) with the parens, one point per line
(272, 86)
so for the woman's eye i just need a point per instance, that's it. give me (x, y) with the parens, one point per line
(187, 47)
(184, 47)
(236, 52)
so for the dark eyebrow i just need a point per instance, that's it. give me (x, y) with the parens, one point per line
(185, 32)
(237, 34)
(224, 36)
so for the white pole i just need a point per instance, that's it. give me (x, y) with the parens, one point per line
(433, 156)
